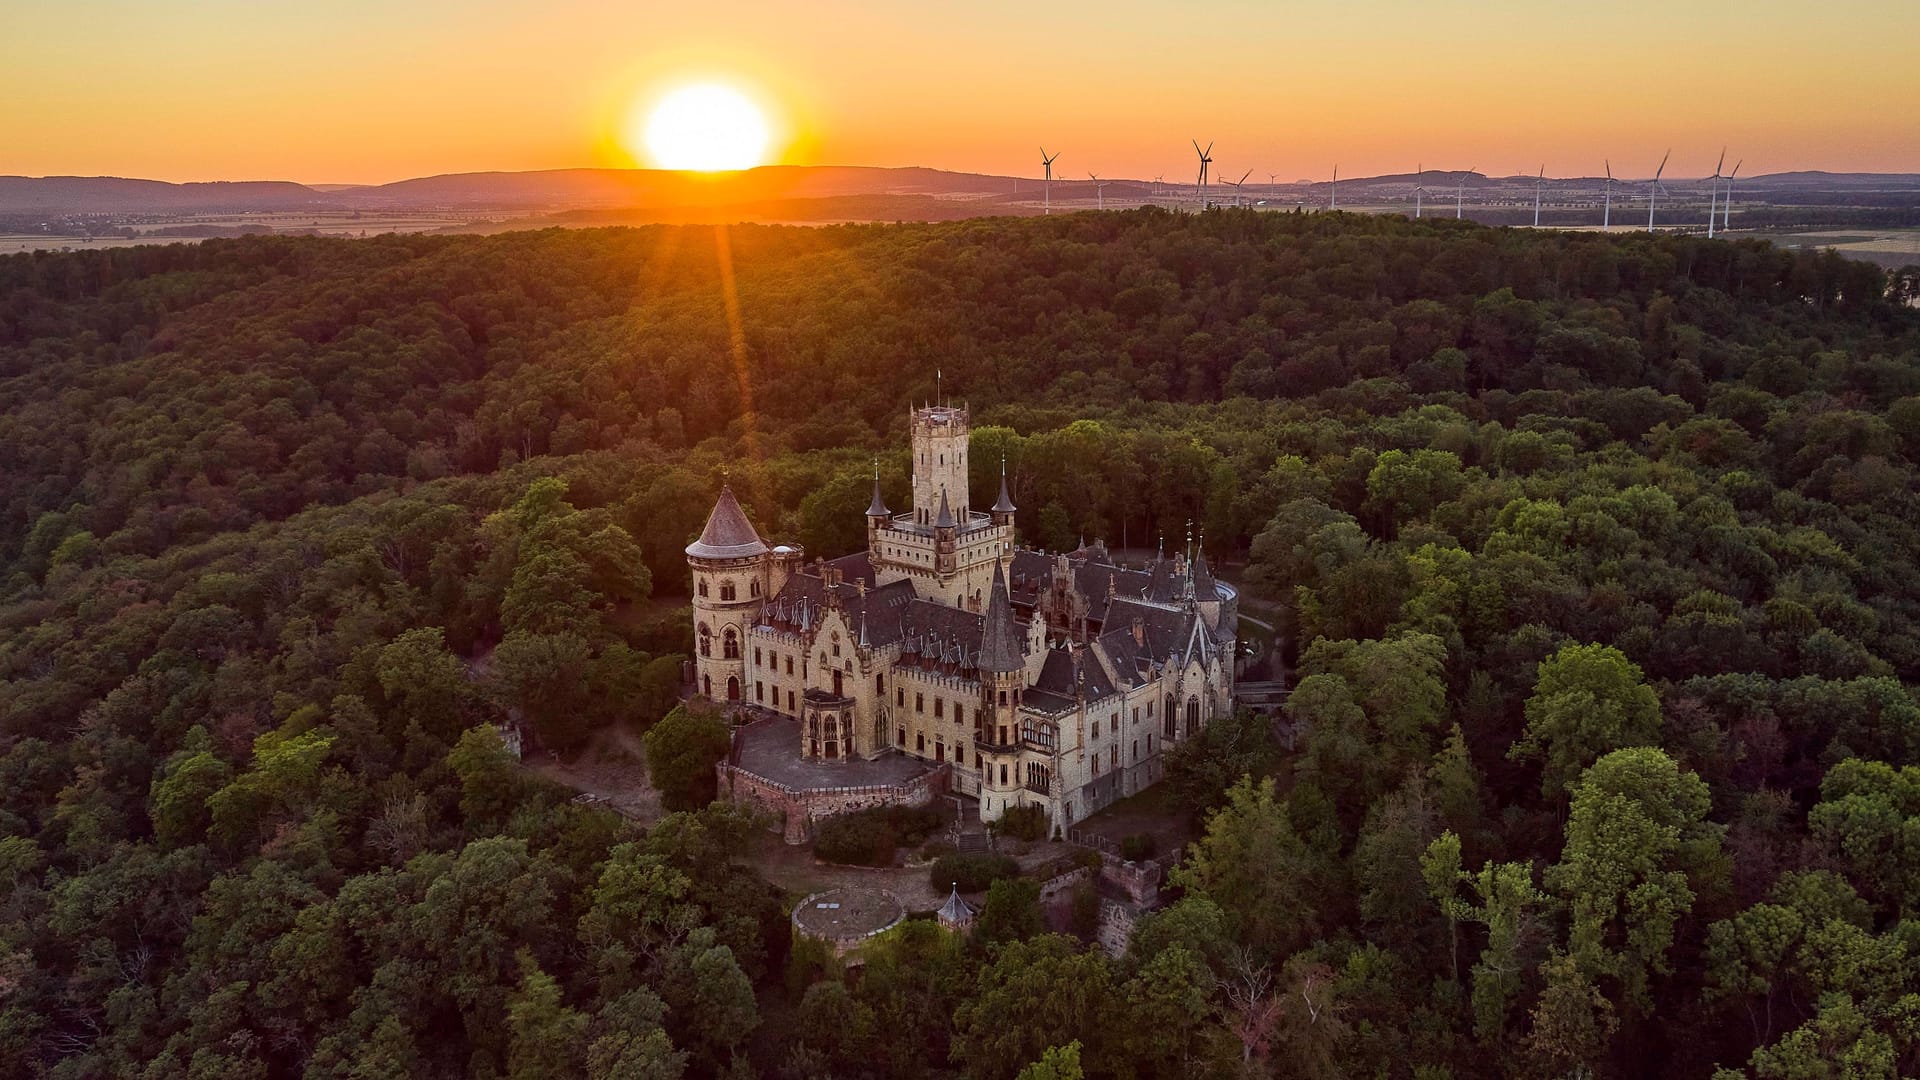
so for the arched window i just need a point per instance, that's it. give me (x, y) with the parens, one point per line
(706, 640)
(730, 644)
(753, 587)
(703, 586)
(1169, 720)
(1193, 716)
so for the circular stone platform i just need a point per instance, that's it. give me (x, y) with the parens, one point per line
(846, 917)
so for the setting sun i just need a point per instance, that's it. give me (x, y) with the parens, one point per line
(706, 127)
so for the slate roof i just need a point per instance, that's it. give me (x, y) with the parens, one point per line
(728, 535)
(1000, 642)
(1003, 505)
(1062, 680)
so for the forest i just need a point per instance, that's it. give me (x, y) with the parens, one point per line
(1598, 559)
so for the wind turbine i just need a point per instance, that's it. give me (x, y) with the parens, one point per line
(1046, 198)
(1460, 192)
(1713, 191)
(1099, 191)
(1206, 159)
(1654, 188)
(1419, 191)
(1538, 183)
(1333, 189)
(1236, 185)
(1606, 215)
(1726, 207)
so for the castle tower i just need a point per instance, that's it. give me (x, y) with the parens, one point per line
(877, 516)
(939, 462)
(730, 586)
(1002, 677)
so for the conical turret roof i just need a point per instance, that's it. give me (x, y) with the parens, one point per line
(1000, 635)
(728, 535)
(945, 518)
(1004, 504)
(1203, 586)
(878, 507)
(955, 912)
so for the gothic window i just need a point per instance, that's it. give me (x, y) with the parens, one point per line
(706, 640)
(1038, 732)
(727, 591)
(836, 644)
(1193, 716)
(1169, 719)
(703, 586)
(753, 587)
(730, 644)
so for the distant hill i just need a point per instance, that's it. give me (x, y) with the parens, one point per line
(664, 195)
(582, 188)
(113, 194)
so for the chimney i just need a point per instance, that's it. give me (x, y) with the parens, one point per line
(1139, 631)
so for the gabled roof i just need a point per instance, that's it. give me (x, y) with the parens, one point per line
(728, 535)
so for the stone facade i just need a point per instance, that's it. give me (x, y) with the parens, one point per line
(1056, 680)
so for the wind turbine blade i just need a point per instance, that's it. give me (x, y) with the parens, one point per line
(1722, 161)
(1736, 168)
(1609, 168)
(1663, 165)
(1196, 148)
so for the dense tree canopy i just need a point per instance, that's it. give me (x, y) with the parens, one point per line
(1594, 557)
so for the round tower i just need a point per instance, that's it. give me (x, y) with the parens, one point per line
(1003, 676)
(730, 585)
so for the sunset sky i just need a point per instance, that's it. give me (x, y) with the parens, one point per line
(377, 90)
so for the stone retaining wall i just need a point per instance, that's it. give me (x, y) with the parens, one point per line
(798, 811)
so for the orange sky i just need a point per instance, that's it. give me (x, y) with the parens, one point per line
(377, 90)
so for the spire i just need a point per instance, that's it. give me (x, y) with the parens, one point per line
(728, 535)
(1003, 505)
(1203, 586)
(999, 637)
(945, 518)
(955, 914)
(877, 508)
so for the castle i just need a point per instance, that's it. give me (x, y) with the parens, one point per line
(1050, 680)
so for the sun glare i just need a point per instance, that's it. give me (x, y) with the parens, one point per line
(705, 127)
